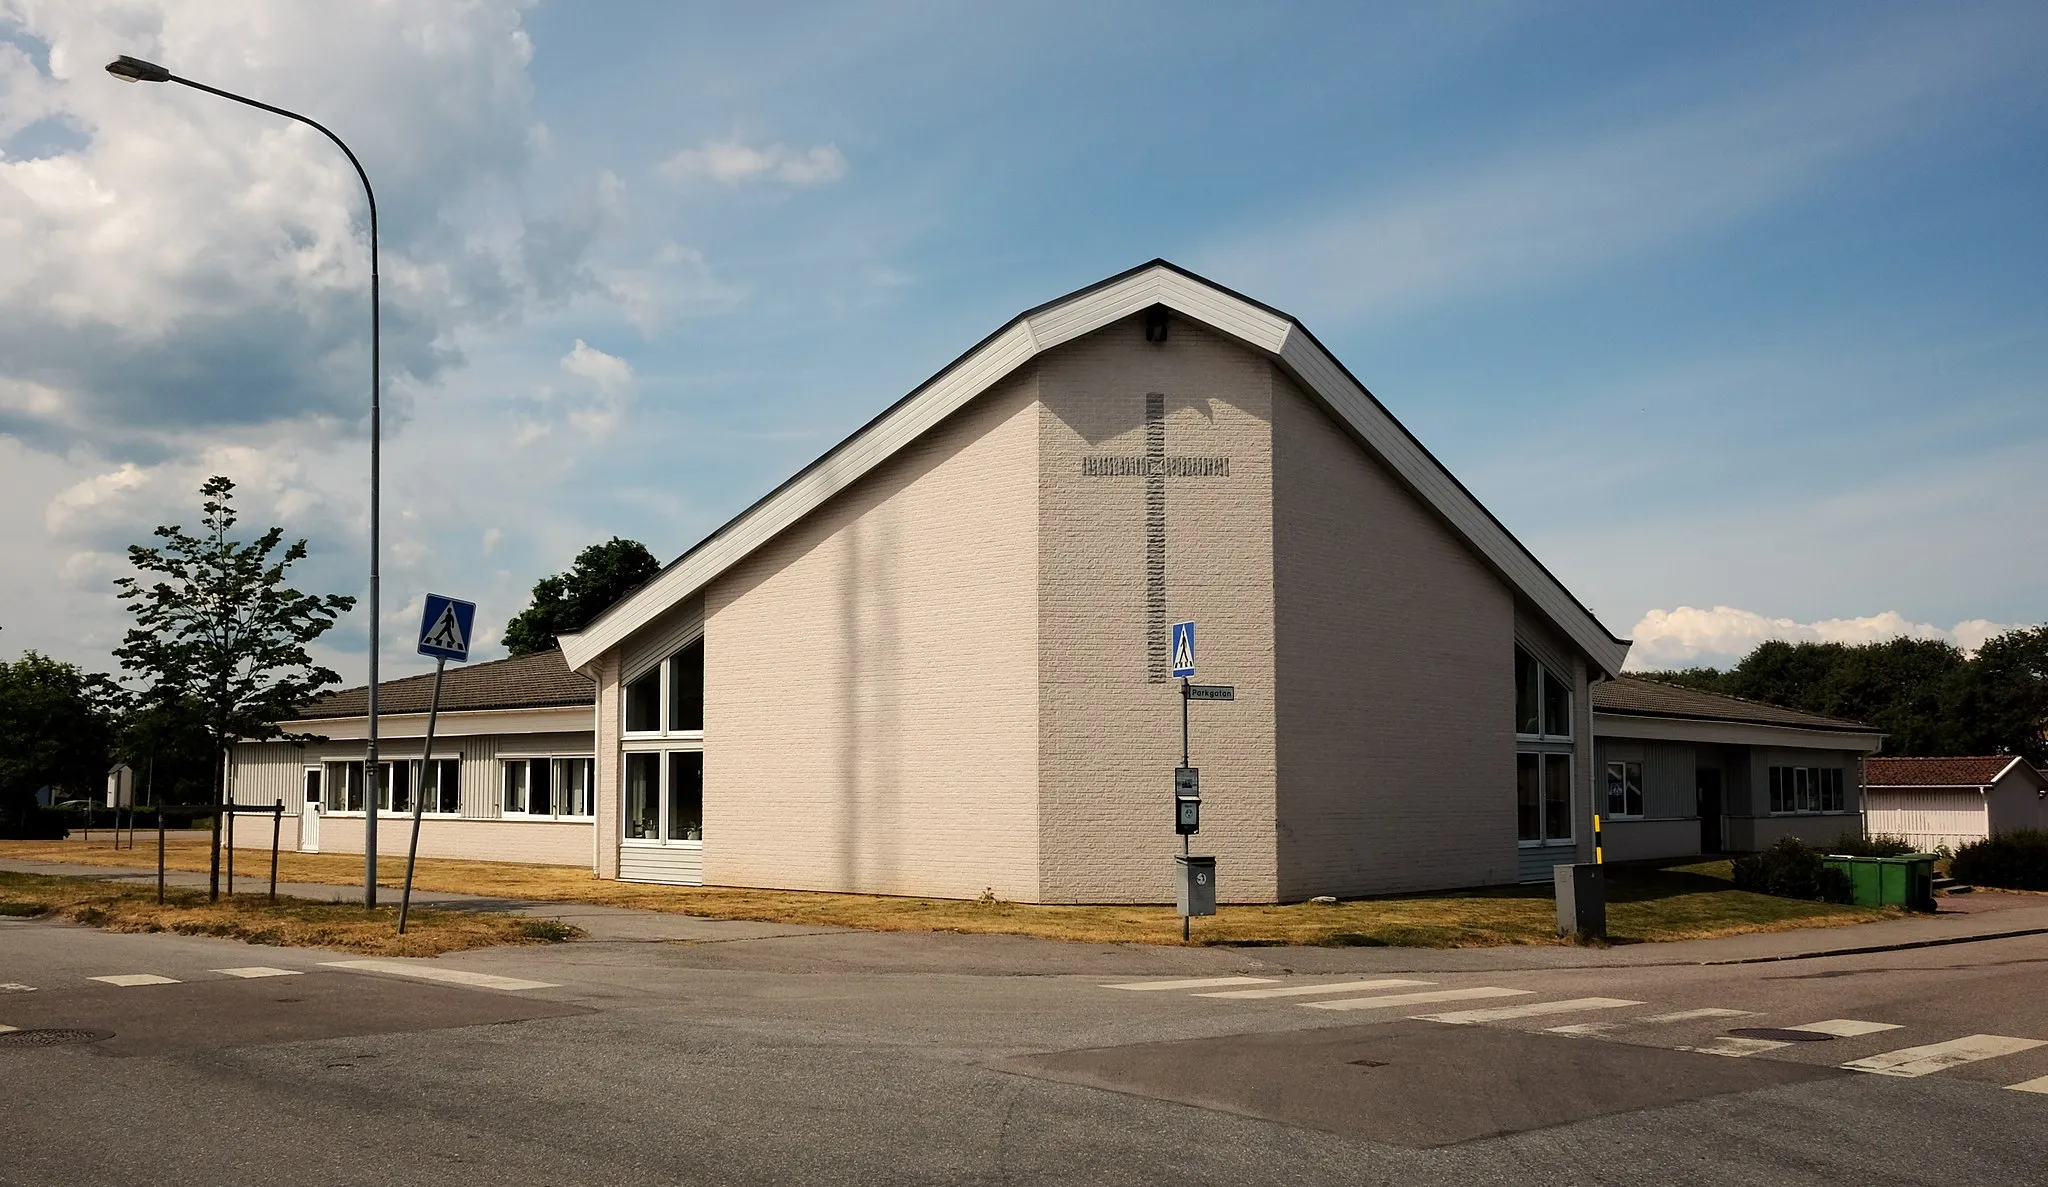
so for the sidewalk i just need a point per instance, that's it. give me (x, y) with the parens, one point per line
(1984, 915)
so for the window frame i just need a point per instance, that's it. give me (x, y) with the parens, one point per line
(551, 761)
(666, 701)
(664, 757)
(383, 786)
(1544, 678)
(1637, 787)
(1806, 790)
(1543, 758)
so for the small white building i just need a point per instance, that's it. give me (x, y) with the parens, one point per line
(512, 776)
(1933, 802)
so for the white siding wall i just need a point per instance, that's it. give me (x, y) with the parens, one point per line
(1928, 817)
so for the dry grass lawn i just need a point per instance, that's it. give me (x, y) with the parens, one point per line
(298, 923)
(1692, 902)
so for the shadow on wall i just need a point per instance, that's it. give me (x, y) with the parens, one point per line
(871, 747)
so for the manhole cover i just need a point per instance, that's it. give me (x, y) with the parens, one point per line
(52, 1037)
(1782, 1036)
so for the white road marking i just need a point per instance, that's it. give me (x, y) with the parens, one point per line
(1689, 1015)
(15, 987)
(6, 1029)
(1312, 990)
(1197, 983)
(1847, 1028)
(136, 979)
(435, 973)
(1415, 999)
(259, 970)
(1582, 1028)
(2038, 1084)
(1736, 1048)
(1528, 1010)
(1935, 1057)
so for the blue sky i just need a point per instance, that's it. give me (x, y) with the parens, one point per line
(1735, 317)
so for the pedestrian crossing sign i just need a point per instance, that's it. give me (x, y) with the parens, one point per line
(444, 628)
(1183, 649)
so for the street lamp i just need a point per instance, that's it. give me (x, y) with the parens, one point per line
(129, 69)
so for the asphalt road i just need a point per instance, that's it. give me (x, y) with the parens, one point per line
(781, 1056)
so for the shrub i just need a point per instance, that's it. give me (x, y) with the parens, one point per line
(2017, 860)
(1789, 869)
(1855, 844)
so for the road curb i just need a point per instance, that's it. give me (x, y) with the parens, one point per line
(1904, 946)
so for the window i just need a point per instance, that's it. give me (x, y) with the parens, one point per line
(1624, 789)
(345, 786)
(643, 704)
(1807, 789)
(686, 689)
(313, 786)
(441, 784)
(339, 786)
(1543, 798)
(394, 787)
(643, 797)
(1543, 703)
(547, 786)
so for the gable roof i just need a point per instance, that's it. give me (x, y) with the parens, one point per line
(1972, 771)
(1636, 696)
(1270, 332)
(538, 681)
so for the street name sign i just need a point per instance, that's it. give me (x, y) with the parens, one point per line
(1212, 692)
(445, 626)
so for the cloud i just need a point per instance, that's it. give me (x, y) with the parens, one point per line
(729, 162)
(1690, 636)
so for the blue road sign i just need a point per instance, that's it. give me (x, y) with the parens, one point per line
(444, 628)
(1183, 649)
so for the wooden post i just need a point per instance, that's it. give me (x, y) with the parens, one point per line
(229, 808)
(159, 853)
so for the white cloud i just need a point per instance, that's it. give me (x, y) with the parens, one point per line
(1690, 636)
(730, 162)
(605, 388)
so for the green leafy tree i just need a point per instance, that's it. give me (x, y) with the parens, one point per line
(2006, 697)
(220, 634)
(56, 730)
(566, 602)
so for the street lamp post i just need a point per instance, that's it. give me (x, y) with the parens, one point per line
(129, 69)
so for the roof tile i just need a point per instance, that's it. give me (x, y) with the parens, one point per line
(536, 681)
(1970, 771)
(1637, 696)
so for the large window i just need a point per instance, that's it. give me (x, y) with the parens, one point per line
(1543, 798)
(1807, 789)
(1543, 703)
(1624, 789)
(395, 783)
(547, 786)
(643, 797)
(669, 697)
(664, 796)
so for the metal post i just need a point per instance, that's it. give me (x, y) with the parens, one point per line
(213, 834)
(276, 827)
(419, 797)
(159, 846)
(229, 808)
(137, 71)
(1184, 761)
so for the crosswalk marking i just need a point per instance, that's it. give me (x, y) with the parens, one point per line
(2038, 1084)
(435, 973)
(259, 970)
(1312, 990)
(1847, 1028)
(1415, 999)
(1600, 1028)
(128, 979)
(1529, 1010)
(1935, 1057)
(15, 987)
(1196, 983)
(1689, 1015)
(6, 1029)
(1737, 1048)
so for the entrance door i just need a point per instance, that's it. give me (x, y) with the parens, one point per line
(1708, 802)
(309, 814)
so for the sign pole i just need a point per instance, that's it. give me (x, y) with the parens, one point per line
(419, 793)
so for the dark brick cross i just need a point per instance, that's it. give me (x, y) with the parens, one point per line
(1155, 467)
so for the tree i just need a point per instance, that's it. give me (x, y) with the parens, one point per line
(566, 602)
(2006, 696)
(220, 634)
(56, 730)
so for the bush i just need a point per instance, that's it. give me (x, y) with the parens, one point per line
(2017, 860)
(1882, 845)
(1789, 869)
(30, 823)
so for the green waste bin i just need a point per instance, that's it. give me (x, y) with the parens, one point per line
(1904, 881)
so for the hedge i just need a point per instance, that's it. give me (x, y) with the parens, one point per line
(2017, 860)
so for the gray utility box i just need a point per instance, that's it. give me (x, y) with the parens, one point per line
(1581, 901)
(1195, 885)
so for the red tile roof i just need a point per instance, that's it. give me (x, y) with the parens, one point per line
(537, 681)
(1935, 772)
